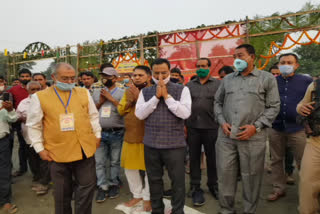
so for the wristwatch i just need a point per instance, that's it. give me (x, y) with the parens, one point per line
(258, 129)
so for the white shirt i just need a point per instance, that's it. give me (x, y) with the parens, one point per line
(6, 118)
(22, 112)
(181, 108)
(35, 127)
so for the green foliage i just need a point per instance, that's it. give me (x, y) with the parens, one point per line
(309, 59)
(3, 65)
(262, 43)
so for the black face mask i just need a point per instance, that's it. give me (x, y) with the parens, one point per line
(174, 80)
(141, 86)
(107, 82)
(81, 84)
(24, 82)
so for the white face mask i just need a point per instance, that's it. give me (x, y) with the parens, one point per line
(2, 88)
(286, 69)
(166, 80)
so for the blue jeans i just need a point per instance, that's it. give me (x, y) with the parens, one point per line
(110, 149)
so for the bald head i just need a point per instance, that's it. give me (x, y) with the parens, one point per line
(62, 66)
(64, 72)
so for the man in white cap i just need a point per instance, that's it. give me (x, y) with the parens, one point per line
(107, 100)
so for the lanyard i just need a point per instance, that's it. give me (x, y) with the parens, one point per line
(65, 106)
(113, 91)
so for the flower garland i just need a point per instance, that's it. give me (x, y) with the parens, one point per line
(283, 46)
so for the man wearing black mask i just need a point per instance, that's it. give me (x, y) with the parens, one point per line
(107, 100)
(19, 93)
(175, 75)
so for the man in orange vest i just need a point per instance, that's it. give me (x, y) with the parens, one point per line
(63, 127)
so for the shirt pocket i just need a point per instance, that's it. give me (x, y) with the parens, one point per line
(231, 89)
(256, 90)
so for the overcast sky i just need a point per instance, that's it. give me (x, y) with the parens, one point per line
(61, 22)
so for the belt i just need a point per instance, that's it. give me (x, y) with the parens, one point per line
(112, 129)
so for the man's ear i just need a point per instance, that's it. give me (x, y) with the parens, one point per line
(53, 77)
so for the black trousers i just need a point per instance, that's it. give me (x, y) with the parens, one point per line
(207, 138)
(289, 158)
(5, 170)
(84, 173)
(173, 160)
(38, 167)
(23, 147)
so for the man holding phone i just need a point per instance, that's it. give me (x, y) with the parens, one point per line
(246, 102)
(19, 93)
(7, 115)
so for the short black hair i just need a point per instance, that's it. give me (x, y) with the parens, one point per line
(193, 77)
(160, 61)
(273, 67)
(2, 77)
(145, 68)
(182, 77)
(175, 70)
(36, 74)
(106, 65)
(87, 73)
(24, 71)
(208, 60)
(250, 49)
(226, 69)
(15, 79)
(129, 75)
(289, 54)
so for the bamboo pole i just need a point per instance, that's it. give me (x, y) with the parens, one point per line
(68, 54)
(157, 45)
(78, 57)
(141, 50)
(102, 52)
(9, 70)
(247, 30)
(34, 60)
(285, 31)
(14, 65)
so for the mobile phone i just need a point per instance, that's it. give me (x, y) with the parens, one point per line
(6, 96)
(234, 132)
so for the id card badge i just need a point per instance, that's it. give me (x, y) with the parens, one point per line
(106, 112)
(234, 132)
(66, 122)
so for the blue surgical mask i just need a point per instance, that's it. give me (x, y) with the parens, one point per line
(240, 65)
(65, 86)
(286, 69)
(126, 81)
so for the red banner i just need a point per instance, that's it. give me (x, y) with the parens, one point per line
(218, 44)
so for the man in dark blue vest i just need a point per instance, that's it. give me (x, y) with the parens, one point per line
(164, 107)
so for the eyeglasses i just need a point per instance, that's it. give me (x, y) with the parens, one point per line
(68, 78)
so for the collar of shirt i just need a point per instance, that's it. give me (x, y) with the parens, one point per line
(198, 79)
(287, 78)
(255, 72)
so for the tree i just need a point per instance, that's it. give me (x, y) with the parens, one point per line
(3, 65)
(49, 70)
(309, 59)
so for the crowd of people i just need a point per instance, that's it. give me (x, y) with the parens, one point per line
(80, 132)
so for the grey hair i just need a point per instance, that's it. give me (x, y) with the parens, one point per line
(62, 64)
(33, 83)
